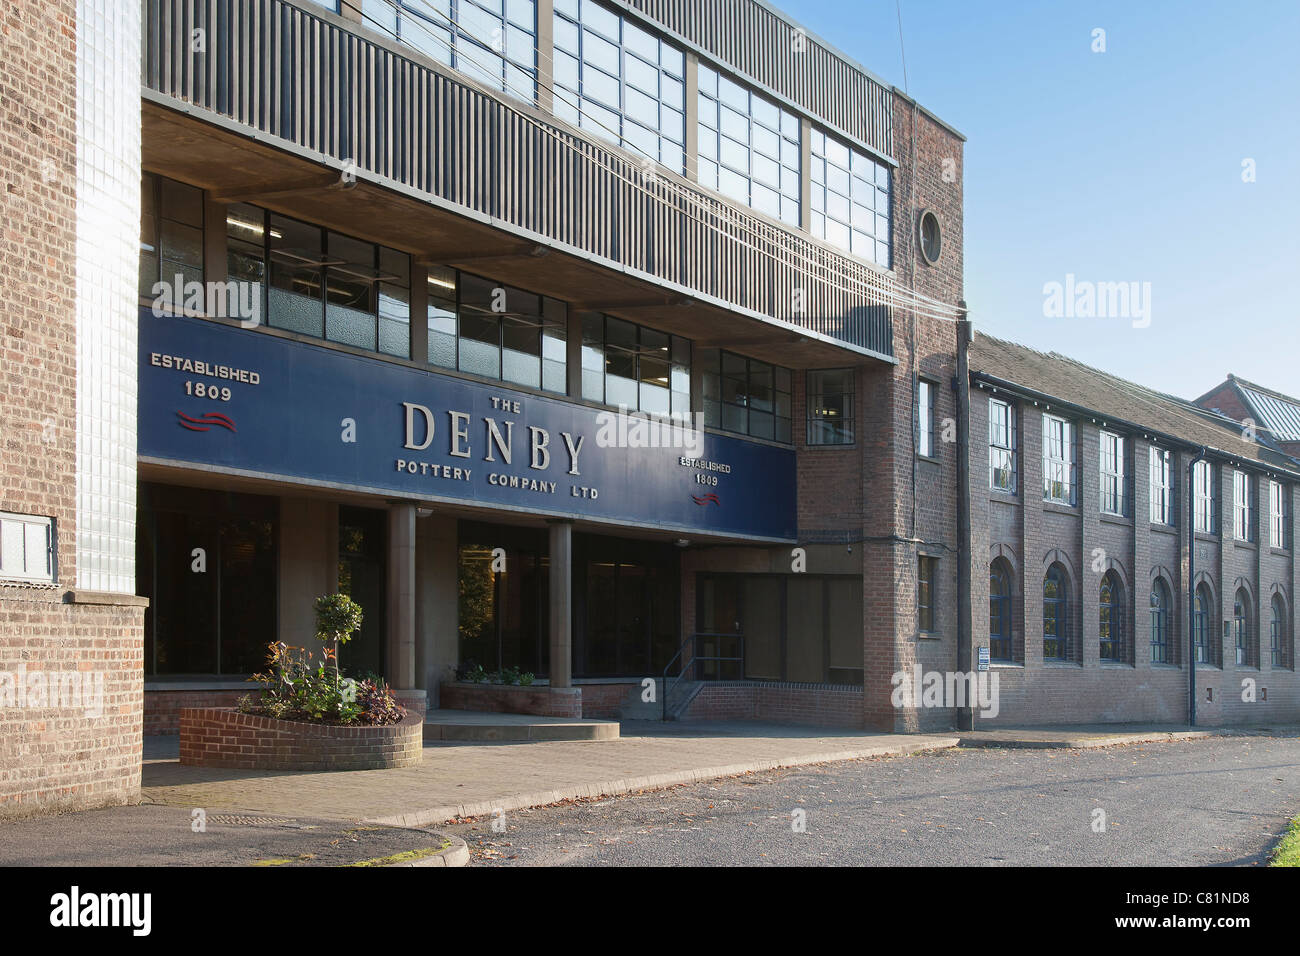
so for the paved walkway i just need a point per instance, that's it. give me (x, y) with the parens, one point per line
(473, 779)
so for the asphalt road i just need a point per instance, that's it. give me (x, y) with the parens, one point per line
(1221, 801)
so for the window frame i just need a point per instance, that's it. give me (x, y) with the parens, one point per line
(1110, 619)
(1202, 633)
(1000, 609)
(1113, 482)
(818, 424)
(1060, 609)
(925, 415)
(1243, 510)
(1002, 451)
(927, 583)
(1059, 470)
(1204, 510)
(1278, 526)
(46, 525)
(1162, 486)
(1160, 604)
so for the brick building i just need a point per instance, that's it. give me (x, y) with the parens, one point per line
(1096, 502)
(609, 340)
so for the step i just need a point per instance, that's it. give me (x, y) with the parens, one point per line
(451, 726)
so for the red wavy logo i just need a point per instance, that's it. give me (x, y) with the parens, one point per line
(705, 500)
(205, 422)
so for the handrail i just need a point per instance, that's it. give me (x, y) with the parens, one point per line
(696, 659)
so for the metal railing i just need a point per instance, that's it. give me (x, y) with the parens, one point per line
(690, 667)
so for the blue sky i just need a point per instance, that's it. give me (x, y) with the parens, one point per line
(1122, 166)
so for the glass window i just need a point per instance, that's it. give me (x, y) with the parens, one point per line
(217, 620)
(925, 419)
(1002, 446)
(1160, 622)
(506, 333)
(490, 41)
(1162, 487)
(1277, 523)
(1058, 460)
(1201, 636)
(1241, 628)
(442, 316)
(1243, 511)
(27, 548)
(1278, 640)
(638, 80)
(1114, 500)
(851, 190)
(758, 151)
(1203, 493)
(926, 568)
(1111, 619)
(171, 234)
(1000, 611)
(830, 407)
(1056, 620)
(745, 395)
(639, 368)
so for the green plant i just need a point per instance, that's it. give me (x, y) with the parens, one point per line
(297, 686)
(527, 678)
(338, 617)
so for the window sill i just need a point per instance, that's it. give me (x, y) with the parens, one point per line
(1117, 665)
(1063, 664)
(1005, 666)
(1165, 667)
(1279, 552)
(1001, 494)
(1057, 507)
(1244, 545)
(929, 459)
(1158, 528)
(928, 636)
(1108, 518)
(824, 446)
(1208, 537)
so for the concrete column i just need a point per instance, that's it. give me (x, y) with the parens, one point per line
(309, 565)
(561, 594)
(545, 53)
(401, 596)
(214, 240)
(437, 644)
(419, 312)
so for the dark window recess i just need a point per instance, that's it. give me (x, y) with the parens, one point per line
(830, 407)
(363, 549)
(926, 571)
(802, 628)
(746, 396)
(207, 562)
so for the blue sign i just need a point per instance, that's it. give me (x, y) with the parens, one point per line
(243, 401)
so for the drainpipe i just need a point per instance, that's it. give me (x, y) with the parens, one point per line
(1191, 587)
(965, 628)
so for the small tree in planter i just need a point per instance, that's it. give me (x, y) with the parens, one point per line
(338, 617)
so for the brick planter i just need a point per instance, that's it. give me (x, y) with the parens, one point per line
(223, 737)
(537, 699)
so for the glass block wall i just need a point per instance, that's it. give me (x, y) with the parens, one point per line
(108, 225)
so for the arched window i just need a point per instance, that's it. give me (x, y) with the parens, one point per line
(1201, 626)
(1111, 619)
(999, 611)
(1277, 636)
(1159, 622)
(1056, 627)
(1241, 626)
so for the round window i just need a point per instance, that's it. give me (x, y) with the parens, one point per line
(931, 236)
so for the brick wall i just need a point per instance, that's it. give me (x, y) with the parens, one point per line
(823, 705)
(162, 708)
(1030, 535)
(79, 747)
(51, 757)
(540, 700)
(225, 738)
